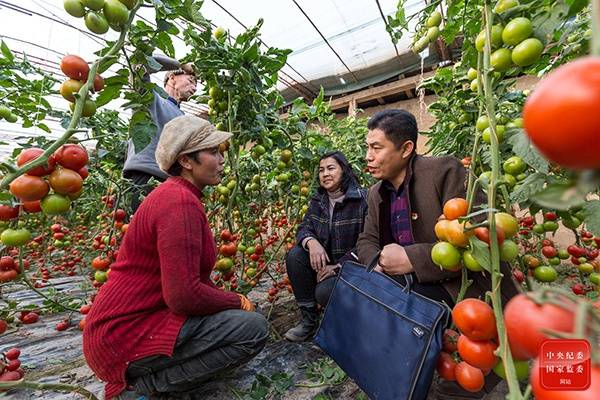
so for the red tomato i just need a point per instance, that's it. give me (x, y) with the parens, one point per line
(29, 188)
(483, 234)
(71, 156)
(446, 366)
(525, 321)
(31, 154)
(450, 340)
(228, 249)
(7, 212)
(566, 100)
(469, 377)
(74, 67)
(32, 206)
(475, 319)
(478, 353)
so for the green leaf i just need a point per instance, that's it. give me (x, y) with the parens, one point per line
(44, 127)
(108, 94)
(164, 42)
(575, 6)
(523, 148)
(481, 253)
(534, 183)
(141, 130)
(6, 51)
(592, 216)
(560, 196)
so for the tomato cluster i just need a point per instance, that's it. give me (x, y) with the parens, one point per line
(470, 355)
(99, 15)
(10, 365)
(452, 252)
(77, 70)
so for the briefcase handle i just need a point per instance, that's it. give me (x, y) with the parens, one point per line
(408, 278)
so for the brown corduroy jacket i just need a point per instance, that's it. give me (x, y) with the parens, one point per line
(430, 181)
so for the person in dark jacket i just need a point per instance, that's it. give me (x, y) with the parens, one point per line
(326, 237)
(404, 207)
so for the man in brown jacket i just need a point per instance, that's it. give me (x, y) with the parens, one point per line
(403, 208)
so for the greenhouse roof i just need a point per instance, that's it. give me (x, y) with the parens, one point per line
(340, 45)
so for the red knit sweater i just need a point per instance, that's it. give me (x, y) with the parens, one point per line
(161, 276)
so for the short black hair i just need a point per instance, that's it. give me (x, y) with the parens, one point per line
(398, 126)
(176, 168)
(349, 179)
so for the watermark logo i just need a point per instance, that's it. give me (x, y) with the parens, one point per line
(565, 364)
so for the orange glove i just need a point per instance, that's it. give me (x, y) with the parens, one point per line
(246, 304)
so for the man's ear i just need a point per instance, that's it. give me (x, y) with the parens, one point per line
(407, 148)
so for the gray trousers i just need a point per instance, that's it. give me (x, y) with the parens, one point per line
(205, 346)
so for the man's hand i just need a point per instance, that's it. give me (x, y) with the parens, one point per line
(318, 255)
(188, 68)
(326, 272)
(393, 260)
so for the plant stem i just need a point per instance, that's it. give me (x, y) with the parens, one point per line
(595, 46)
(503, 348)
(59, 387)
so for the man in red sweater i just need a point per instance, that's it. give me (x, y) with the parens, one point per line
(159, 326)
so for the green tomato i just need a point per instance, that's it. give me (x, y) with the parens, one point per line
(518, 122)
(100, 276)
(563, 254)
(595, 278)
(585, 268)
(550, 226)
(527, 52)
(504, 5)
(74, 8)
(521, 177)
(432, 33)
(514, 165)
(472, 74)
(487, 132)
(445, 255)
(517, 30)
(510, 180)
(539, 228)
(509, 251)
(435, 19)
(508, 223)
(571, 222)
(482, 123)
(96, 22)
(89, 108)
(55, 204)
(496, 38)
(250, 250)
(15, 237)
(521, 368)
(420, 45)
(93, 4)
(58, 244)
(129, 3)
(470, 262)
(554, 261)
(545, 273)
(474, 85)
(220, 33)
(501, 60)
(116, 13)
(4, 112)
(12, 118)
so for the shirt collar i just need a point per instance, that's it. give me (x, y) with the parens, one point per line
(172, 100)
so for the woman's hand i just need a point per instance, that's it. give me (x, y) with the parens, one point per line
(318, 255)
(246, 304)
(326, 272)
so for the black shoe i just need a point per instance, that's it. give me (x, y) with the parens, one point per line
(307, 327)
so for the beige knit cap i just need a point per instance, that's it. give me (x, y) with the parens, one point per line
(184, 135)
